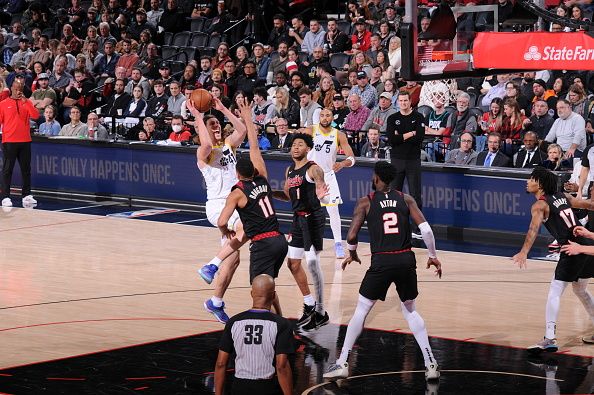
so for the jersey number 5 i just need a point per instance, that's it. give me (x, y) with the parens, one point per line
(568, 217)
(266, 206)
(390, 223)
(253, 334)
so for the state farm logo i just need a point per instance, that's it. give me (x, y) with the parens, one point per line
(533, 53)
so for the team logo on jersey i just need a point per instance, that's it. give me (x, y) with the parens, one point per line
(327, 144)
(294, 181)
(227, 158)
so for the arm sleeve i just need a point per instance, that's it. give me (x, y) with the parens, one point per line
(284, 338)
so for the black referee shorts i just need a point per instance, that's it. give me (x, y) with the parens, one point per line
(308, 230)
(385, 269)
(259, 387)
(267, 256)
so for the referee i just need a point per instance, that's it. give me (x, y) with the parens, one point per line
(261, 341)
(405, 131)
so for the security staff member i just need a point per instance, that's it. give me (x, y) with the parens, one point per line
(405, 131)
(262, 341)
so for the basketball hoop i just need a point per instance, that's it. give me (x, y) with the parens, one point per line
(444, 91)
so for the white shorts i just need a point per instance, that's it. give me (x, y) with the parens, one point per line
(213, 212)
(334, 197)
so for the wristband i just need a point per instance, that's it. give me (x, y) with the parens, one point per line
(352, 159)
(352, 247)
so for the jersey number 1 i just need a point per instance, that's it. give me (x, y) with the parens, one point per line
(266, 207)
(390, 223)
(568, 217)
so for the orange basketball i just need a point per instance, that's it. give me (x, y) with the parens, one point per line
(202, 99)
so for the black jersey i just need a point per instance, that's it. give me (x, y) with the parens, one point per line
(388, 222)
(561, 219)
(258, 215)
(302, 192)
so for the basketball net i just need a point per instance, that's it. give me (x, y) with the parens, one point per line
(442, 90)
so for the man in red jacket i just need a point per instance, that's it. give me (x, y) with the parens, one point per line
(15, 114)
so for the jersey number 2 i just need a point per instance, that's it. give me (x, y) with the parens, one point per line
(390, 223)
(568, 217)
(253, 334)
(266, 207)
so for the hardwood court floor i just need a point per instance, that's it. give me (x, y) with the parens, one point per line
(72, 284)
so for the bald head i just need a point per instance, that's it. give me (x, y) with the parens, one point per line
(263, 290)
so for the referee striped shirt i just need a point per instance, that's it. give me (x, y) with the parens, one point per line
(257, 336)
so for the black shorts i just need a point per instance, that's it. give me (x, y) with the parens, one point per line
(260, 387)
(308, 230)
(267, 256)
(385, 269)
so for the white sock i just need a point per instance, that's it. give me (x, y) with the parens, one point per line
(217, 302)
(313, 264)
(309, 300)
(215, 261)
(355, 327)
(580, 289)
(418, 329)
(552, 310)
(335, 223)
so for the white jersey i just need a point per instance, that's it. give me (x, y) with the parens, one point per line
(325, 148)
(219, 172)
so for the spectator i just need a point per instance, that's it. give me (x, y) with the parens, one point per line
(436, 125)
(379, 115)
(73, 44)
(560, 87)
(323, 96)
(539, 88)
(62, 52)
(105, 36)
(50, 127)
(221, 57)
(513, 122)
(530, 156)
(94, 130)
(385, 33)
(204, 79)
(105, 63)
(75, 128)
(336, 41)
(279, 63)
(249, 81)
(91, 53)
(360, 62)
(460, 121)
(374, 147)
(43, 95)
(493, 157)
(137, 106)
(21, 76)
(339, 111)
(24, 54)
(414, 90)
(541, 120)
(279, 32)
(286, 107)
(231, 75)
(127, 58)
(374, 48)
(261, 61)
(89, 25)
(60, 79)
(153, 15)
(357, 116)
(364, 90)
(297, 82)
(492, 120)
(176, 99)
(141, 24)
(464, 155)
(554, 159)
(313, 38)
(361, 39)
(42, 55)
(149, 132)
(569, 130)
(179, 133)
(309, 113)
(512, 91)
(149, 64)
(157, 104)
(580, 104)
(12, 40)
(280, 81)
(172, 18)
(241, 56)
(497, 90)
(118, 102)
(137, 79)
(282, 139)
(297, 32)
(311, 69)
(262, 109)
(263, 142)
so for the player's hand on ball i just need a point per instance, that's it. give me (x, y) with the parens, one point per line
(190, 106)
(572, 248)
(435, 262)
(353, 257)
(217, 104)
(520, 259)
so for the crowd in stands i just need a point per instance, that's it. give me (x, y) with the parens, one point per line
(97, 69)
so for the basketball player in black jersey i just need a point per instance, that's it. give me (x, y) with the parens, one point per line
(388, 213)
(252, 198)
(553, 209)
(305, 188)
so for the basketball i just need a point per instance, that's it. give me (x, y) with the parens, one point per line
(202, 99)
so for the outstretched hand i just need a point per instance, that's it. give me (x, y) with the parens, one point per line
(435, 262)
(353, 257)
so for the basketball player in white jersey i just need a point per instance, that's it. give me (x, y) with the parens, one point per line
(216, 161)
(327, 140)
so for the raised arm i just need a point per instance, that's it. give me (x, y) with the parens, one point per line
(255, 154)
(238, 134)
(343, 142)
(205, 147)
(538, 215)
(357, 222)
(426, 232)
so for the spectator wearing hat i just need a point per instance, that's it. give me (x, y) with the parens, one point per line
(165, 75)
(335, 40)
(23, 55)
(292, 68)
(364, 90)
(127, 58)
(539, 88)
(379, 115)
(361, 39)
(43, 95)
(141, 23)
(297, 31)
(314, 37)
(21, 75)
(89, 20)
(261, 60)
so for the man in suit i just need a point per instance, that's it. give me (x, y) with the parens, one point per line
(529, 156)
(283, 139)
(493, 157)
(464, 155)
